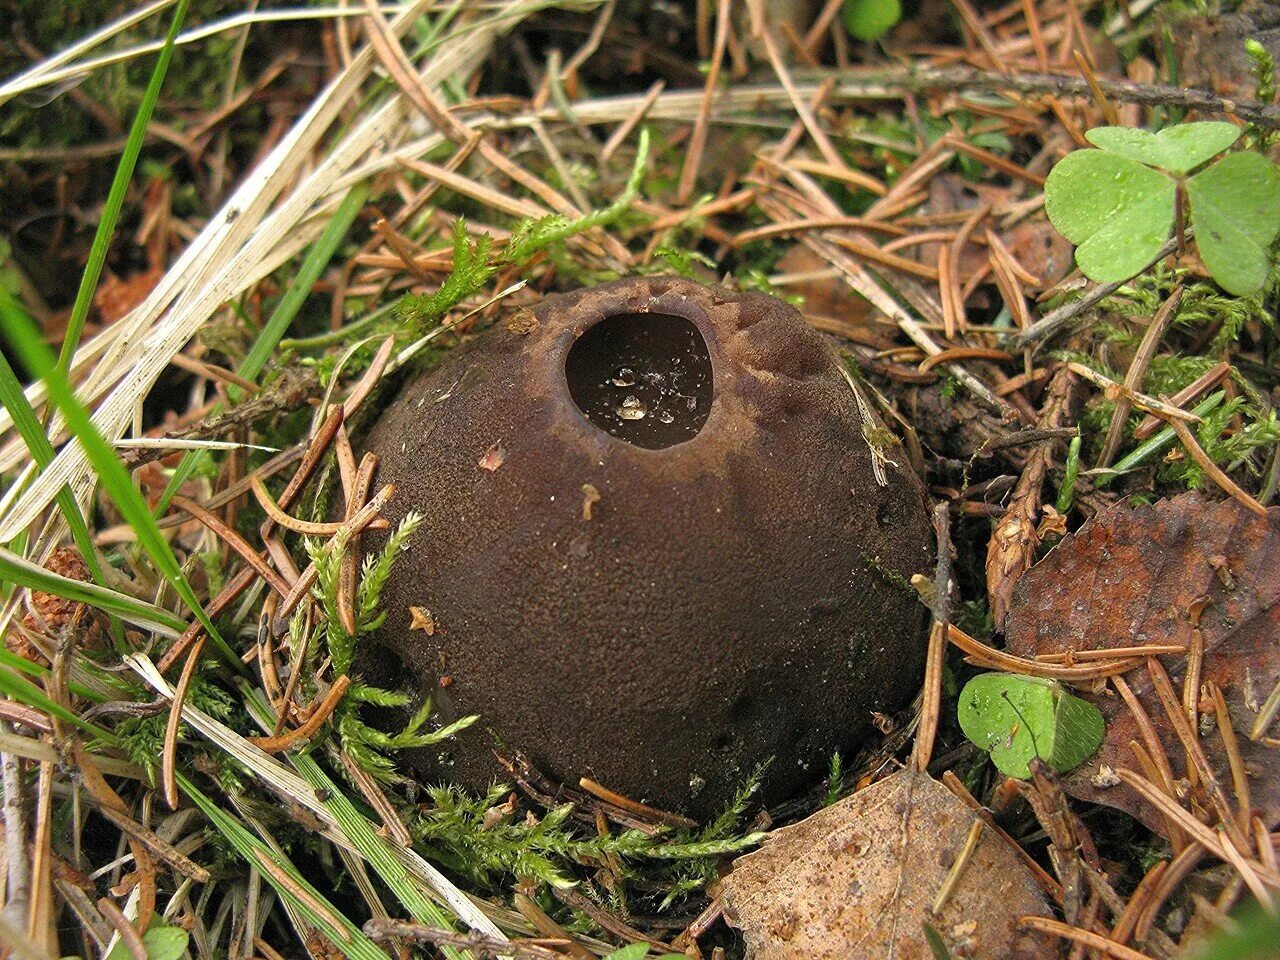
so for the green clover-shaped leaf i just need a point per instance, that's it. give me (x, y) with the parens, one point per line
(1176, 149)
(1116, 211)
(1235, 212)
(1018, 719)
(163, 942)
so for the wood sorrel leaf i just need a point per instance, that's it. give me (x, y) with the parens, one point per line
(1117, 212)
(1176, 149)
(1018, 719)
(1235, 211)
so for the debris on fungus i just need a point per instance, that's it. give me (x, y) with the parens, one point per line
(730, 593)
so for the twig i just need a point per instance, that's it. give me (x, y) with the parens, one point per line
(1215, 472)
(1090, 939)
(966, 79)
(957, 868)
(168, 753)
(312, 724)
(1054, 322)
(1137, 371)
(601, 792)
(698, 138)
(233, 539)
(931, 710)
(990, 656)
(383, 929)
(128, 933)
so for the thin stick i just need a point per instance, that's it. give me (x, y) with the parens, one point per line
(602, 792)
(312, 725)
(1090, 939)
(698, 139)
(989, 656)
(128, 933)
(168, 753)
(1047, 883)
(957, 868)
(1137, 371)
(312, 528)
(233, 539)
(1231, 746)
(1052, 323)
(935, 663)
(1215, 472)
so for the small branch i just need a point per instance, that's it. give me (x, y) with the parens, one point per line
(971, 80)
(480, 945)
(1054, 322)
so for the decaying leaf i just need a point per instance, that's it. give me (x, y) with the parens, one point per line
(1182, 572)
(861, 878)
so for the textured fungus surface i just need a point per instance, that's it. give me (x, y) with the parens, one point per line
(655, 552)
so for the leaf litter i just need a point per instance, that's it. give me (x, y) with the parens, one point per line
(1183, 571)
(914, 227)
(866, 876)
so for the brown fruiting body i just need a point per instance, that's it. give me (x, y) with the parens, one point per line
(662, 606)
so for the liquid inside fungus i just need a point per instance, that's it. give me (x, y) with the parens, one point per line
(642, 377)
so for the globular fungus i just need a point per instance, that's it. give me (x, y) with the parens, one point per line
(658, 550)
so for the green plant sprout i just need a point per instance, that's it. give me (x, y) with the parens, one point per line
(1120, 203)
(1018, 719)
(475, 263)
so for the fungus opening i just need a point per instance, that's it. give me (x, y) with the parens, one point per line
(642, 377)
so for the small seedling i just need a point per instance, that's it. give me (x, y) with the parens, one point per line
(871, 19)
(1120, 203)
(1019, 719)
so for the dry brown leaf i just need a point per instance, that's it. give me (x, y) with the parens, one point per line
(116, 297)
(1134, 576)
(860, 878)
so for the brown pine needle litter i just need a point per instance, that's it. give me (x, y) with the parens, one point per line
(332, 196)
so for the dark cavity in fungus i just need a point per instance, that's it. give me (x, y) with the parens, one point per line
(642, 377)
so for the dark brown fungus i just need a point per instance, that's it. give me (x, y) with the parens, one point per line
(682, 565)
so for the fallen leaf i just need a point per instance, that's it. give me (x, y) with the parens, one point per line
(860, 878)
(116, 297)
(1137, 576)
(420, 619)
(493, 457)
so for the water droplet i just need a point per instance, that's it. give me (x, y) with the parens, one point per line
(666, 416)
(631, 409)
(691, 403)
(623, 377)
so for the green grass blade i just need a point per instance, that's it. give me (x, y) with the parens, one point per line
(19, 665)
(370, 845)
(111, 472)
(19, 570)
(21, 690)
(328, 919)
(1154, 446)
(27, 423)
(115, 197)
(313, 265)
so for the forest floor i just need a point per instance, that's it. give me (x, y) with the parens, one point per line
(1039, 234)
